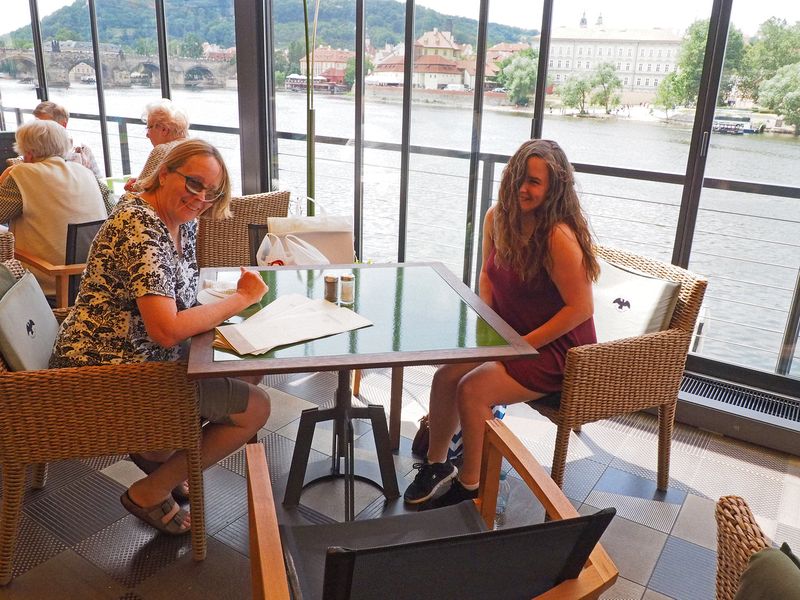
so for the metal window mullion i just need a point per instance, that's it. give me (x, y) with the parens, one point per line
(541, 73)
(270, 161)
(701, 131)
(98, 78)
(38, 51)
(358, 159)
(405, 135)
(163, 59)
(475, 148)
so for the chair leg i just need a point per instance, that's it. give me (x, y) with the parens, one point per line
(13, 490)
(560, 455)
(39, 476)
(356, 382)
(395, 407)
(196, 503)
(666, 421)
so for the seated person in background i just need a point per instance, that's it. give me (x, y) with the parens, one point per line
(537, 273)
(42, 195)
(80, 153)
(137, 303)
(167, 125)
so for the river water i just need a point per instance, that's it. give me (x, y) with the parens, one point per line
(746, 244)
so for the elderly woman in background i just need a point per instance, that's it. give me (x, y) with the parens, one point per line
(167, 125)
(137, 303)
(40, 196)
(80, 153)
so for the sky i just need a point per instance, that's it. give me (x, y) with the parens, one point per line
(675, 14)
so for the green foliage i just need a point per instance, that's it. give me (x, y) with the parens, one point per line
(518, 76)
(575, 92)
(605, 77)
(146, 46)
(781, 93)
(692, 54)
(668, 95)
(776, 45)
(350, 70)
(191, 46)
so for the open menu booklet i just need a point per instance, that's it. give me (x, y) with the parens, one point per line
(287, 320)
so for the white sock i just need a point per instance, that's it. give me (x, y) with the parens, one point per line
(469, 487)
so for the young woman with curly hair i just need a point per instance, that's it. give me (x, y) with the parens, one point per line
(537, 274)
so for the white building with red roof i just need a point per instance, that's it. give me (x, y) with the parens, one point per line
(325, 58)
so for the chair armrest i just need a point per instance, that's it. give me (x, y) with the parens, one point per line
(48, 267)
(266, 559)
(606, 379)
(738, 538)
(600, 572)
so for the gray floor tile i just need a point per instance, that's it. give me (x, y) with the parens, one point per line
(651, 595)
(685, 571)
(285, 408)
(696, 522)
(66, 575)
(223, 575)
(34, 545)
(623, 590)
(634, 548)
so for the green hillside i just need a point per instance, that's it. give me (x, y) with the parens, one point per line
(131, 24)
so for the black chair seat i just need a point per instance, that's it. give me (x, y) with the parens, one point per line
(437, 554)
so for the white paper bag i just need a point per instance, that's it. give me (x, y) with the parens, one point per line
(332, 235)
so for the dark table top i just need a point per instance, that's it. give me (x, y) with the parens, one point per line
(421, 314)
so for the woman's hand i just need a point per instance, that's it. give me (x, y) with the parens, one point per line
(251, 286)
(129, 184)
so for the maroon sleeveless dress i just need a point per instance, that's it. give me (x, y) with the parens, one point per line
(526, 305)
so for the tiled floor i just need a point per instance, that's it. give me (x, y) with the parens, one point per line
(76, 541)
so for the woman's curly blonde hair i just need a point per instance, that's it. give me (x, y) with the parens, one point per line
(528, 256)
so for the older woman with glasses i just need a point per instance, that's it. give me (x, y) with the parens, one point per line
(167, 125)
(137, 303)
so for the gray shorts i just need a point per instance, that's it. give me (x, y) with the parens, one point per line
(221, 397)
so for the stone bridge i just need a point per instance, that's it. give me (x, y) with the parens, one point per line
(120, 69)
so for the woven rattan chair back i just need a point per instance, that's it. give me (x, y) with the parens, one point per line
(623, 376)
(83, 412)
(738, 538)
(226, 243)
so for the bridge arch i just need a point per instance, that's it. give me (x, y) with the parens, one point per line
(18, 65)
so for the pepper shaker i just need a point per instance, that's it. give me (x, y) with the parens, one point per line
(331, 288)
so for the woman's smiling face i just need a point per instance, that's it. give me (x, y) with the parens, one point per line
(533, 191)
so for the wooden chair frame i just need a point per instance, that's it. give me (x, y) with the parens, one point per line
(269, 578)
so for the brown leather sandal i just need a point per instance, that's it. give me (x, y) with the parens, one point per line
(153, 515)
(180, 492)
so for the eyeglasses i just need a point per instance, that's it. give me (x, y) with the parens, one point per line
(196, 188)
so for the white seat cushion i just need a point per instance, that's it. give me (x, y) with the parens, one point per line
(628, 303)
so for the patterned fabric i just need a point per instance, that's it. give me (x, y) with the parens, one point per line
(132, 256)
(83, 155)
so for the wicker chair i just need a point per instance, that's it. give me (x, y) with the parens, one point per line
(226, 243)
(57, 414)
(738, 538)
(428, 540)
(623, 376)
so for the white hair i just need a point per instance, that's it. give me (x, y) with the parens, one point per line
(42, 139)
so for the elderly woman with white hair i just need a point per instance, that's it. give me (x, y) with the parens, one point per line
(42, 195)
(167, 126)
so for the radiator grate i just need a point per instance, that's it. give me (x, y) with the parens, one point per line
(782, 407)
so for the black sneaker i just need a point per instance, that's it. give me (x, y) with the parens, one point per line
(429, 479)
(455, 495)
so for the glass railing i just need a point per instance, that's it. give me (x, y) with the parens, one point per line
(752, 306)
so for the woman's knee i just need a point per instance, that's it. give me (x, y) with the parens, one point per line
(258, 406)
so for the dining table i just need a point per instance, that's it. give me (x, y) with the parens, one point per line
(421, 314)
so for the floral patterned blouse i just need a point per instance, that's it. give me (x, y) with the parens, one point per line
(132, 255)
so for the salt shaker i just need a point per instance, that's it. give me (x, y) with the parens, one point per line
(331, 288)
(347, 289)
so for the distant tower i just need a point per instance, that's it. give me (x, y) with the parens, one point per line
(599, 20)
(583, 20)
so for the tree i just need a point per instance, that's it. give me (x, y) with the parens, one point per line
(146, 46)
(191, 46)
(668, 95)
(605, 77)
(781, 93)
(575, 92)
(350, 70)
(775, 45)
(519, 76)
(692, 55)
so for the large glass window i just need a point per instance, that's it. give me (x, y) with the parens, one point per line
(18, 77)
(747, 243)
